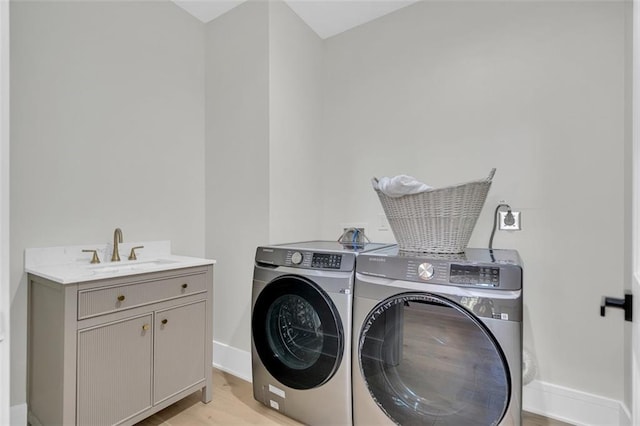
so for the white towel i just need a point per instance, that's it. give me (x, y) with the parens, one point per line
(399, 186)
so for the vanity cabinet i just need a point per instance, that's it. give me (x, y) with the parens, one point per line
(115, 351)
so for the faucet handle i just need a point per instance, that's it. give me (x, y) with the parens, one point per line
(94, 258)
(132, 255)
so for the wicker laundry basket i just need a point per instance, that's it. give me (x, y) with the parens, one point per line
(439, 220)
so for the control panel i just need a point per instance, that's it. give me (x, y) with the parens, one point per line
(474, 275)
(334, 261)
(445, 272)
(326, 260)
(487, 269)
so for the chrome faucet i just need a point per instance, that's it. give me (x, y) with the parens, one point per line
(117, 238)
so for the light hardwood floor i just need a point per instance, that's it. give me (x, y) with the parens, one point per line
(233, 404)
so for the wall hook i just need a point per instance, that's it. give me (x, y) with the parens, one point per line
(626, 304)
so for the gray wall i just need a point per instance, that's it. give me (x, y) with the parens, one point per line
(296, 73)
(263, 116)
(445, 91)
(237, 157)
(107, 130)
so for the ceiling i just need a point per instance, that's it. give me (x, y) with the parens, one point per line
(326, 17)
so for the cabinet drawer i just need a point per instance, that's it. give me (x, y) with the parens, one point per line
(111, 299)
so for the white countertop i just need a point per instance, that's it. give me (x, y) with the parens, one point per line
(67, 265)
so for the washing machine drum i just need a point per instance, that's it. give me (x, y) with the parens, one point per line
(426, 360)
(297, 332)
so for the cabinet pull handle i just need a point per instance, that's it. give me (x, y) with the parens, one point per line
(145, 327)
(121, 298)
(185, 285)
(164, 321)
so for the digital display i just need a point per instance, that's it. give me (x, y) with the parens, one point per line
(326, 260)
(474, 275)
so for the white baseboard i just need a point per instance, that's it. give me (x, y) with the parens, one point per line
(625, 416)
(549, 400)
(232, 360)
(18, 415)
(573, 406)
(546, 399)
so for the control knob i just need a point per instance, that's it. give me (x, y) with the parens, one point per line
(425, 271)
(296, 258)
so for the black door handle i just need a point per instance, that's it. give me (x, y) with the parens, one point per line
(626, 304)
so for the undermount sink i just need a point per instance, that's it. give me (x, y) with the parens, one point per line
(72, 264)
(135, 265)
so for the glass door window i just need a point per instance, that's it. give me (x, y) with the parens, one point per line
(427, 360)
(297, 332)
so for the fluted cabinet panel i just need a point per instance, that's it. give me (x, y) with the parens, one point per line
(179, 354)
(115, 371)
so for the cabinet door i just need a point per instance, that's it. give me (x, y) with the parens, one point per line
(114, 371)
(179, 351)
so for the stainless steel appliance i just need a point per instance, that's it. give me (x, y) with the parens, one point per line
(437, 339)
(301, 329)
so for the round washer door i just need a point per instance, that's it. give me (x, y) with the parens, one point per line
(297, 332)
(427, 360)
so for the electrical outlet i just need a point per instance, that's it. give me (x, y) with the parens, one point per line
(509, 222)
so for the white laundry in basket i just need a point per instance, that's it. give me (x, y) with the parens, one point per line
(399, 186)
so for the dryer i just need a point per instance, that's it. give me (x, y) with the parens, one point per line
(301, 329)
(437, 339)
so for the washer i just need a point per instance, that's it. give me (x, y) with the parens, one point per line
(301, 329)
(437, 339)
